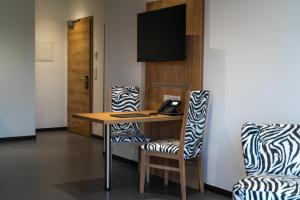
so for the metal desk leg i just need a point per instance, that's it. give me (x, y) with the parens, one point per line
(107, 167)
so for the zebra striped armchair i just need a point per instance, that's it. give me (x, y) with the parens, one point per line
(272, 162)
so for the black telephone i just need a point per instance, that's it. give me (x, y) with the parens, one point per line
(169, 107)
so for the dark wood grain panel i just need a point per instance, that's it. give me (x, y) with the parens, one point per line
(186, 75)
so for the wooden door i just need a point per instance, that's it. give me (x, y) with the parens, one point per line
(80, 73)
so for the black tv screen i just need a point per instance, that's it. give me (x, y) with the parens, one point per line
(161, 34)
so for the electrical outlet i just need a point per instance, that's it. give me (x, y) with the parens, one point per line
(170, 97)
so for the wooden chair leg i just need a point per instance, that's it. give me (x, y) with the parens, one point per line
(139, 159)
(200, 173)
(103, 153)
(166, 173)
(148, 168)
(142, 173)
(182, 178)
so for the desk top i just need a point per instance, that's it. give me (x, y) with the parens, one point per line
(105, 118)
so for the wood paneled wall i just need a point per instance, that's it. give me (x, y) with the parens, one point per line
(176, 77)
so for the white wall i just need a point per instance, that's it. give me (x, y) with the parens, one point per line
(121, 66)
(251, 67)
(17, 113)
(51, 83)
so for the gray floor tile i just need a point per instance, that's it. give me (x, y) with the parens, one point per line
(65, 166)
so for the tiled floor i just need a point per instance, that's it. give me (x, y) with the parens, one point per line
(64, 166)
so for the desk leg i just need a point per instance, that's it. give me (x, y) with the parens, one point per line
(107, 167)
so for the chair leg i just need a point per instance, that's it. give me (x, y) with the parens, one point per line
(148, 168)
(166, 173)
(182, 178)
(139, 159)
(200, 173)
(142, 173)
(103, 153)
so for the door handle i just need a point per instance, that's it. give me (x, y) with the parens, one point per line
(87, 81)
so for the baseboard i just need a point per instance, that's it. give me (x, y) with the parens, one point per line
(18, 138)
(97, 136)
(208, 187)
(217, 190)
(51, 129)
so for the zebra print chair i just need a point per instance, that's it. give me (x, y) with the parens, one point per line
(126, 98)
(272, 162)
(189, 146)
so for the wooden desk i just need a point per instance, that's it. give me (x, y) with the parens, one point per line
(107, 120)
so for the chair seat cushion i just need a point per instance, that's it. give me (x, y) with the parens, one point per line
(163, 146)
(119, 137)
(267, 187)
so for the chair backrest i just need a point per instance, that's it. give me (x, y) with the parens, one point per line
(194, 123)
(271, 149)
(125, 98)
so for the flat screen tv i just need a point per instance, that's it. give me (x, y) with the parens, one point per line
(161, 34)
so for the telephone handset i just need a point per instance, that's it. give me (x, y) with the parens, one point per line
(169, 107)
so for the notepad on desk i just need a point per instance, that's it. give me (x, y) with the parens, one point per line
(130, 115)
